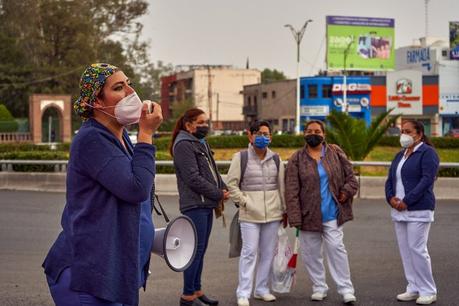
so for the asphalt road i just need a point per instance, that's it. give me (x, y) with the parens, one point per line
(29, 223)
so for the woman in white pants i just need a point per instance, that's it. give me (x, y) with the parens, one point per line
(256, 181)
(409, 191)
(319, 189)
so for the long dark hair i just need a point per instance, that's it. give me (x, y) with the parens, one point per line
(188, 117)
(419, 127)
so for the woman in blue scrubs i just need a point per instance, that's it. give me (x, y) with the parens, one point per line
(101, 256)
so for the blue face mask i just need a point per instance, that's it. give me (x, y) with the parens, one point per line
(261, 142)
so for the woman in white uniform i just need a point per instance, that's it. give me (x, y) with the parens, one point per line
(409, 191)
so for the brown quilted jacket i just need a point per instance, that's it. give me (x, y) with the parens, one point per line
(302, 187)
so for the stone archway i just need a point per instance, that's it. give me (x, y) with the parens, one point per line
(38, 104)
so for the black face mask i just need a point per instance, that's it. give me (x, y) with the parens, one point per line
(313, 140)
(201, 132)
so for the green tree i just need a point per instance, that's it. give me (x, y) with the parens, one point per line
(7, 122)
(268, 75)
(45, 45)
(354, 136)
(178, 109)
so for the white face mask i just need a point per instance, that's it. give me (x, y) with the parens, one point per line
(406, 140)
(128, 109)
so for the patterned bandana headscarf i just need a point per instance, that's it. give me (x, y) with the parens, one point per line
(92, 80)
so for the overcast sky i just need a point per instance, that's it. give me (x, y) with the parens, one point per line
(183, 32)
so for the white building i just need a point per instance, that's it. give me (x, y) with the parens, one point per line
(215, 89)
(431, 57)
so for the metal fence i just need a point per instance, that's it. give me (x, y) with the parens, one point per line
(61, 165)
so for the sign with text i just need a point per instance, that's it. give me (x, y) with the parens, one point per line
(404, 92)
(454, 39)
(416, 58)
(360, 43)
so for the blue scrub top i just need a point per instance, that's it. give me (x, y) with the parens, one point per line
(328, 205)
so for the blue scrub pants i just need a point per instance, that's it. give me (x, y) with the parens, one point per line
(64, 296)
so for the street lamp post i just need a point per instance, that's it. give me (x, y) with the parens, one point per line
(298, 36)
(345, 104)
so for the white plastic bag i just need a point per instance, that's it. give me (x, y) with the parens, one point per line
(282, 276)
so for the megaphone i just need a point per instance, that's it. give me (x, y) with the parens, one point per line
(176, 243)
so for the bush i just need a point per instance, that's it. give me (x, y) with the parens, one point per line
(5, 114)
(8, 126)
(28, 147)
(35, 155)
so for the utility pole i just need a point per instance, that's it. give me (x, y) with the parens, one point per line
(426, 11)
(218, 106)
(345, 106)
(298, 36)
(209, 95)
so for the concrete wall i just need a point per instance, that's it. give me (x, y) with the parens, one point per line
(370, 187)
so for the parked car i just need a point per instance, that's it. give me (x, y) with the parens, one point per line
(453, 133)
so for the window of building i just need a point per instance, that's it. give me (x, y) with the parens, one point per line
(273, 94)
(249, 100)
(284, 125)
(312, 88)
(326, 91)
(302, 92)
(265, 95)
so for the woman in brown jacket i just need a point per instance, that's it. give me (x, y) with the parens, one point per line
(319, 188)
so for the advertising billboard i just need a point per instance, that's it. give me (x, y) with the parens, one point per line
(360, 43)
(454, 39)
(404, 92)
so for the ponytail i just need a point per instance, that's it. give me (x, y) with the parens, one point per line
(188, 117)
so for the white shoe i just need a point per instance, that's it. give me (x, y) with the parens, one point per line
(242, 301)
(349, 298)
(407, 296)
(265, 297)
(318, 296)
(426, 299)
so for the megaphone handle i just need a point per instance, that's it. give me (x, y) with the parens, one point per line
(162, 209)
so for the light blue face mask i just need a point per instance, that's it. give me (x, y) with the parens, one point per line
(261, 142)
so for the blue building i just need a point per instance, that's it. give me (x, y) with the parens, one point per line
(320, 95)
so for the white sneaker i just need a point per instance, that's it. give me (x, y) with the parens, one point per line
(242, 301)
(349, 298)
(318, 296)
(407, 296)
(426, 299)
(265, 297)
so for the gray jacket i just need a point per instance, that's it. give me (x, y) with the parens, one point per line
(198, 181)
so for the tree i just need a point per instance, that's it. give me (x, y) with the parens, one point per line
(7, 122)
(46, 44)
(268, 75)
(178, 108)
(353, 136)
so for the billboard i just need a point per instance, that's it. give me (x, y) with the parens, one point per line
(360, 43)
(404, 92)
(454, 39)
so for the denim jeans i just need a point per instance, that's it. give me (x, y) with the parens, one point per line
(202, 219)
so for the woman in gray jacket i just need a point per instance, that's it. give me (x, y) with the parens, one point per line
(257, 186)
(201, 188)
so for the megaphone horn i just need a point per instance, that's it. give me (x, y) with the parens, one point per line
(176, 243)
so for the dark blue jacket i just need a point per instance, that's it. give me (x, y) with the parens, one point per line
(100, 221)
(196, 184)
(418, 176)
